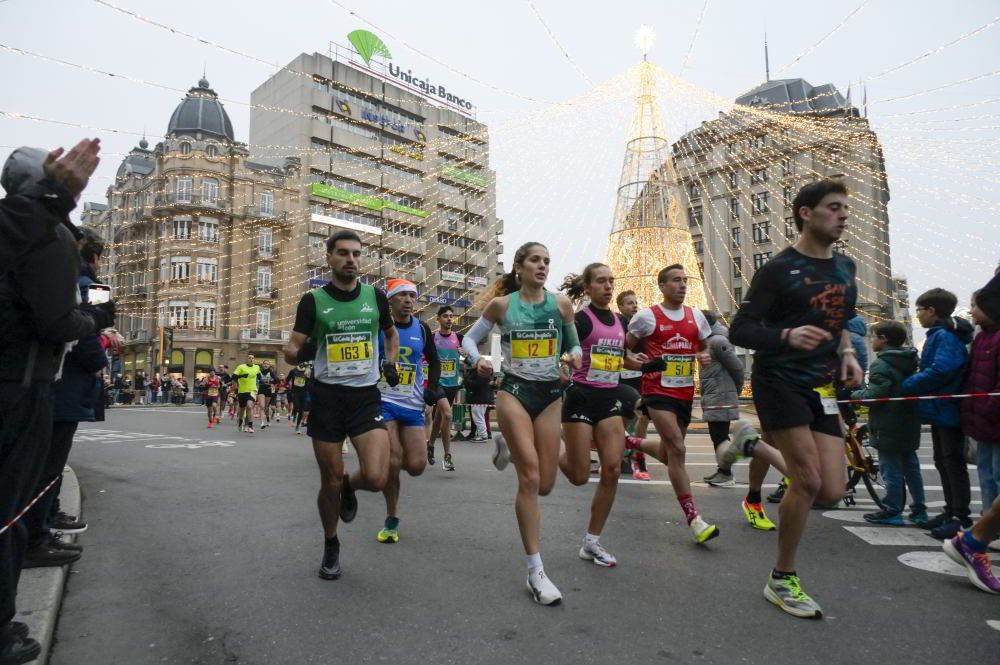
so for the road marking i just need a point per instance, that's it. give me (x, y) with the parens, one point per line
(935, 562)
(993, 623)
(846, 515)
(894, 536)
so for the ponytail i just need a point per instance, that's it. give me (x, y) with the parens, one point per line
(574, 287)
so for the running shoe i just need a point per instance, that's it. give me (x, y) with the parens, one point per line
(598, 555)
(298, 432)
(978, 567)
(67, 524)
(884, 517)
(935, 521)
(390, 532)
(787, 594)
(757, 517)
(480, 438)
(719, 479)
(329, 569)
(950, 529)
(249, 429)
(777, 495)
(348, 501)
(543, 591)
(210, 426)
(447, 464)
(917, 518)
(702, 530)
(501, 456)
(430, 455)
(19, 649)
(638, 473)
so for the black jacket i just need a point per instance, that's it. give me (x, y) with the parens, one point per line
(29, 216)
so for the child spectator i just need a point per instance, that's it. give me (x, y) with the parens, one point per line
(981, 415)
(942, 367)
(895, 426)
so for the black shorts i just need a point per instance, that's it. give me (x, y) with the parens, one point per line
(781, 405)
(342, 411)
(211, 400)
(246, 398)
(679, 407)
(534, 396)
(629, 396)
(451, 393)
(635, 384)
(590, 405)
(266, 391)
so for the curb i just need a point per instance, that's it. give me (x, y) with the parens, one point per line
(40, 593)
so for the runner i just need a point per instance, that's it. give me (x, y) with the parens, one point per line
(794, 316)
(268, 377)
(246, 376)
(212, 388)
(280, 404)
(628, 305)
(337, 327)
(592, 410)
(224, 384)
(298, 379)
(449, 350)
(534, 326)
(403, 404)
(672, 333)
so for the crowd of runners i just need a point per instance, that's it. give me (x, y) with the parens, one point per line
(576, 376)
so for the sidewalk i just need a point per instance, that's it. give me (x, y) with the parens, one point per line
(40, 593)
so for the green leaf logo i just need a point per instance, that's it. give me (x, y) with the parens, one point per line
(368, 45)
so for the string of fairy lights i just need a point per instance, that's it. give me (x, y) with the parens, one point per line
(827, 147)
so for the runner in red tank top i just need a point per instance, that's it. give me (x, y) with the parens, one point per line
(673, 335)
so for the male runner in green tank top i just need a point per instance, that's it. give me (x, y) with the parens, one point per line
(337, 327)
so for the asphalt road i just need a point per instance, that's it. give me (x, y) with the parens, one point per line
(208, 554)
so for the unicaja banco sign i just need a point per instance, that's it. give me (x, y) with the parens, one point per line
(369, 45)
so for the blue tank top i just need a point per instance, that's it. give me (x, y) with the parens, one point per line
(409, 394)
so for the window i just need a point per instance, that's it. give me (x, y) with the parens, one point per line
(164, 274)
(787, 196)
(761, 232)
(733, 179)
(699, 246)
(790, 230)
(736, 233)
(738, 295)
(182, 229)
(265, 239)
(734, 208)
(452, 224)
(207, 270)
(701, 270)
(184, 187)
(758, 176)
(204, 315)
(212, 151)
(759, 201)
(757, 142)
(208, 230)
(786, 167)
(210, 191)
(263, 322)
(264, 280)
(180, 268)
(760, 259)
(177, 313)
(737, 267)
(266, 203)
(694, 191)
(694, 216)
(185, 148)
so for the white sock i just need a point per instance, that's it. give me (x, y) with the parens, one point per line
(534, 562)
(590, 539)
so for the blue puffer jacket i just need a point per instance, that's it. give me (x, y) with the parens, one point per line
(77, 394)
(857, 329)
(942, 368)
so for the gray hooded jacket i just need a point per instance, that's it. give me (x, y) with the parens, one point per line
(721, 381)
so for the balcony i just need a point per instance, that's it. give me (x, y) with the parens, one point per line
(259, 335)
(192, 201)
(265, 253)
(266, 294)
(138, 336)
(254, 212)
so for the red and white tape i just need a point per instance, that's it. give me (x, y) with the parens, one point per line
(28, 507)
(878, 400)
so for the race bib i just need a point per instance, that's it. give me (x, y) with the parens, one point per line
(449, 369)
(213, 392)
(407, 378)
(605, 364)
(828, 398)
(532, 350)
(349, 354)
(679, 372)
(299, 382)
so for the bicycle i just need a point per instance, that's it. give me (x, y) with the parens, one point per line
(862, 465)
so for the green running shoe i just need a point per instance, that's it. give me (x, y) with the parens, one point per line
(390, 532)
(787, 594)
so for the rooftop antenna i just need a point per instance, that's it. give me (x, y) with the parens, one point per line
(767, 61)
(645, 37)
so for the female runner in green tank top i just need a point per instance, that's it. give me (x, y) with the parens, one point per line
(536, 327)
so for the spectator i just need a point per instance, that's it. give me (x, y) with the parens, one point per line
(981, 415)
(857, 329)
(39, 300)
(895, 426)
(154, 389)
(117, 386)
(140, 388)
(479, 393)
(942, 367)
(720, 386)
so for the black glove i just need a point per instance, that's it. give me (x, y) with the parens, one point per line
(391, 374)
(307, 351)
(657, 364)
(104, 314)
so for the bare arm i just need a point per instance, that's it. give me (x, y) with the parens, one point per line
(391, 344)
(291, 351)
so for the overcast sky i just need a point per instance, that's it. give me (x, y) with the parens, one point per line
(558, 164)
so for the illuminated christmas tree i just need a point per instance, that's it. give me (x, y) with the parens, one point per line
(650, 231)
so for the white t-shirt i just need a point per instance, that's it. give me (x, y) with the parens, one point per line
(644, 322)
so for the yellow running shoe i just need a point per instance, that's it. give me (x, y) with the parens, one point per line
(757, 517)
(702, 530)
(390, 532)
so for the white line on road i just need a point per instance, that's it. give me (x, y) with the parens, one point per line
(895, 536)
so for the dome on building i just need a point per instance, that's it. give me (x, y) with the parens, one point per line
(201, 111)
